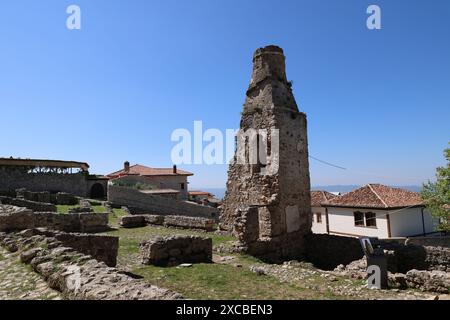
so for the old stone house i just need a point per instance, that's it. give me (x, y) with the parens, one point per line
(51, 175)
(168, 180)
(373, 210)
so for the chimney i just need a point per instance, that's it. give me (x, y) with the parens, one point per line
(174, 169)
(126, 166)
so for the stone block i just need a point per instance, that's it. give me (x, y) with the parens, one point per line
(176, 250)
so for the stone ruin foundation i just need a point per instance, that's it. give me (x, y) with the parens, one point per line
(14, 218)
(77, 275)
(175, 250)
(267, 204)
(79, 265)
(139, 221)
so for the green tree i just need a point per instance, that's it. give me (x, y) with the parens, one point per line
(436, 195)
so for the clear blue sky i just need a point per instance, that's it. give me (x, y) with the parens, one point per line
(378, 102)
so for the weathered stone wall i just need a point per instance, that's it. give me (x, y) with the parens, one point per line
(141, 203)
(328, 251)
(13, 219)
(441, 241)
(138, 221)
(35, 206)
(410, 256)
(59, 198)
(11, 179)
(271, 201)
(77, 275)
(172, 251)
(100, 247)
(189, 222)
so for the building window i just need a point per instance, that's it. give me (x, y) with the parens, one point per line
(371, 220)
(182, 186)
(359, 218)
(367, 219)
(318, 217)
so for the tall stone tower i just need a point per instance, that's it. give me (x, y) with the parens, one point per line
(267, 204)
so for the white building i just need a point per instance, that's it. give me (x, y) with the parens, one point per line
(373, 210)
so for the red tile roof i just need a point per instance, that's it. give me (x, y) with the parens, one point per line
(199, 193)
(321, 197)
(377, 196)
(139, 170)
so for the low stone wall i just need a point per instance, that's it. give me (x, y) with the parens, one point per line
(32, 205)
(77, 275)
(142, 203)
(172, 251)
(60, 198)
(14, 219)
(328, 251)
(100, 247)
(409, 257)
(138, 221)
(189, 222)
(443, 241)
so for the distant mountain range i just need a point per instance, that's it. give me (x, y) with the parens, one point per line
(220, 192)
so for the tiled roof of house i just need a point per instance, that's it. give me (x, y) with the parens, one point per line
(160, 191)
(377, 196)
(140, 170)
(321, 197)
(199, 193)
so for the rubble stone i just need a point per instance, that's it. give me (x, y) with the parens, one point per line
(434, 281)
(176, 250)
(80, 276)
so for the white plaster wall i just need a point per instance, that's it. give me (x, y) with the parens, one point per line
(319, 227)
(408, 222)
(342, 222)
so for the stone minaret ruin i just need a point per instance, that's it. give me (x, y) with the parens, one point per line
(267, 204)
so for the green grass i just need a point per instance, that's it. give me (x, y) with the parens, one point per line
(217, 281)
(65, 208)
(206, 281)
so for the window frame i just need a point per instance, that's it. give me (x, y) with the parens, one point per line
(374, 219)
(361, 221)
(364, 219)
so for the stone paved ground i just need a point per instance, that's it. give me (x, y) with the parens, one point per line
(18, 281)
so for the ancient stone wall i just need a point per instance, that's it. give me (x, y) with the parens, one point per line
(437, 241)
(267, 203)
(100, 247)
(189, 222)
(14, 218)
(141, 203)
(138, 221)
(59, 198)
(11, 179)
(32, 205)
(328, 251)
(175, 250)
(77, 275)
